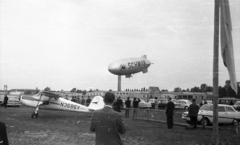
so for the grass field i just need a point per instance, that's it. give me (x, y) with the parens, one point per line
(70, 128)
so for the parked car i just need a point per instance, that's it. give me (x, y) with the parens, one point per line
(209, 101)
(226, 111)
(145, 105)
(228, 100)
(182, 104)
(163, 103)
(13, 100)
(237, 105)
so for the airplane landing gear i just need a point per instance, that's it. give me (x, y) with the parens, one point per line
(35, 115)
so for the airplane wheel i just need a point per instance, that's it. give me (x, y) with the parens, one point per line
(35, 115)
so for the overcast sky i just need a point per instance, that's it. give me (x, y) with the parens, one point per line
(65, 44)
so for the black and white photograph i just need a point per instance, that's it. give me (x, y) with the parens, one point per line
(119, 72)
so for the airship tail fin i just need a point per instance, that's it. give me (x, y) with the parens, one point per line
(144, 56)
(145, 70)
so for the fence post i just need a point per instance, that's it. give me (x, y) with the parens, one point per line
(148, 114)
(132, 113)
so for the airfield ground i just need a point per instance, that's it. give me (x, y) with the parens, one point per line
(70, 128)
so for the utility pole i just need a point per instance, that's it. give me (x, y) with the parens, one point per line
(215, 73)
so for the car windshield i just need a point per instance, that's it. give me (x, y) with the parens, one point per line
(207, 107)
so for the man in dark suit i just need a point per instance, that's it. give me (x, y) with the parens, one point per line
(128, 105)
(107, 123)
(3, 134)
(5, 101)
(193, 113)
(169, 112)
(118, 104)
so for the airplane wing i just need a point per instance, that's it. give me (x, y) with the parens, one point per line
(51, 95)
(45, 96)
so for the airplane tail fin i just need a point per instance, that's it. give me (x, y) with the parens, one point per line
(144, 56)
(96, 103)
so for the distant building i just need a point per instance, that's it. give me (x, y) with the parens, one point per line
(95, 93)
(154, 90)
(22, 91)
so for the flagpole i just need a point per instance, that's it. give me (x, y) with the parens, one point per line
(215, 73)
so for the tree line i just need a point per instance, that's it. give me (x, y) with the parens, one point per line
(224, 91)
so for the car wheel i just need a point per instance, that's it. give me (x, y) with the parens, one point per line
(205, 121)
(186, 108)
(235, 122)
(35, 115)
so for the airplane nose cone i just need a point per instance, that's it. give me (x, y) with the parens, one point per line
(113, 68)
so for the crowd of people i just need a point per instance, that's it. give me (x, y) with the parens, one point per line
(82, 101)
(108, 129)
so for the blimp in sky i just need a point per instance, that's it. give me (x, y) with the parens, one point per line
(128, 67)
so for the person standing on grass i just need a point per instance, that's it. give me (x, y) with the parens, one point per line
(5, 101)
(169, 112)
(128, 104)
(117, 105)
(82, 101)
(193, 113)
(88, 101)
(120, 103)
(3, 134)
(107, 123)
(135, 107)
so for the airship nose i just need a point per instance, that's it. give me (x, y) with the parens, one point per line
(113, 68)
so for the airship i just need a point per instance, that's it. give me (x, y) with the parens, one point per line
(128, 67)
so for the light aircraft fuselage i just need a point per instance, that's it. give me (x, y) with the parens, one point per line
(51, 101)
(59, 104)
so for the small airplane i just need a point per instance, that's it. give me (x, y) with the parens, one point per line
(51, 101)
(129, 66)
